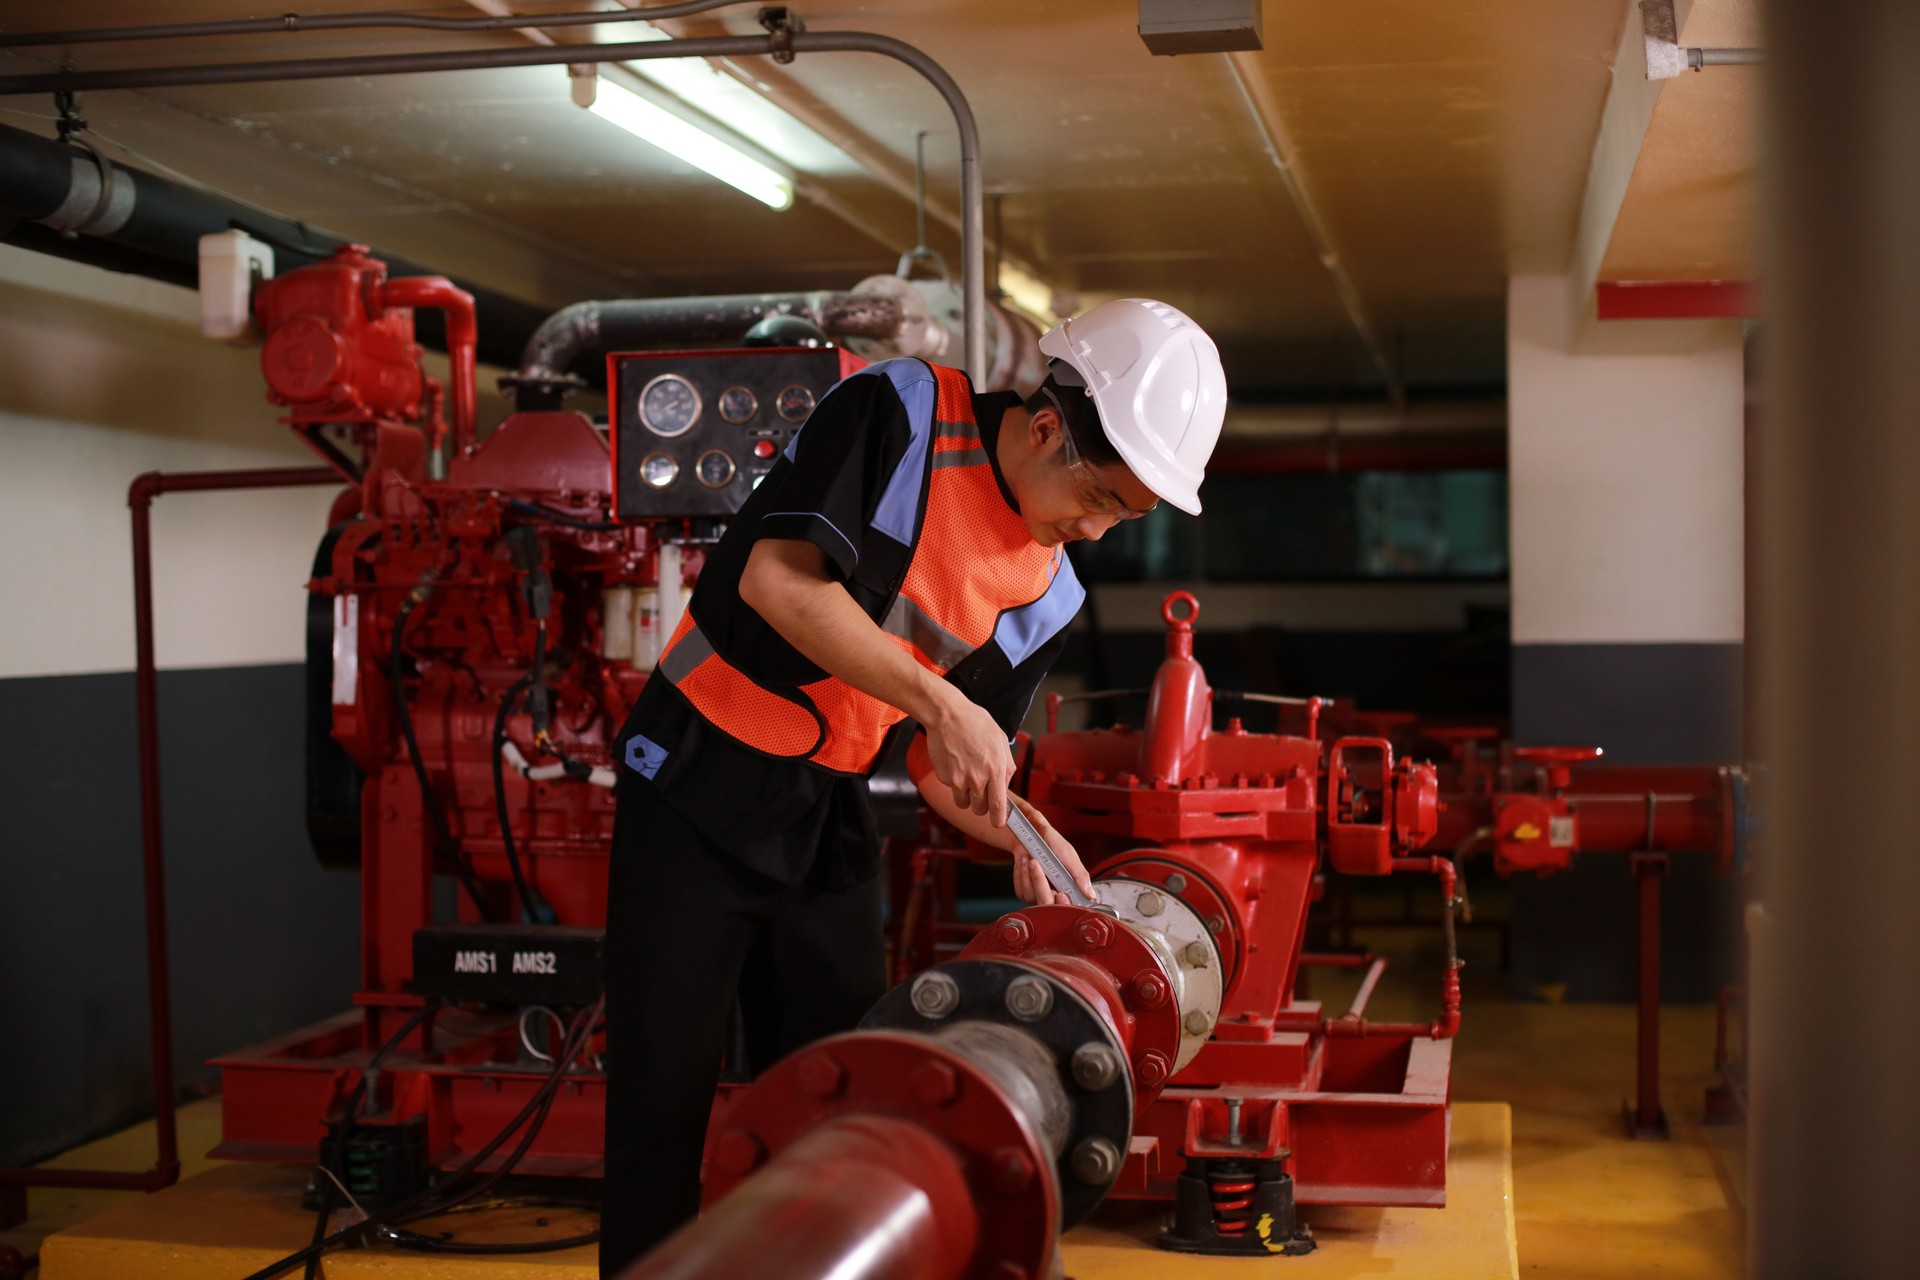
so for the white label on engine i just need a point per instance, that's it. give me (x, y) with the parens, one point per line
(1560, 832)
(346, 650)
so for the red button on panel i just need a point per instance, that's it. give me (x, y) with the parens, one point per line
(763, 448)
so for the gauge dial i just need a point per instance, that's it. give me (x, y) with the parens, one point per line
(659, 470)
(737, 404)
(715, 469)
(795, 402)
(669, 405)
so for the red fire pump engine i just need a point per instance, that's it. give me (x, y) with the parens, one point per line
(483, 614)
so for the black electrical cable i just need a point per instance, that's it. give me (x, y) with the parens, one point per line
(535, 907)
(561, 517)
(413, 1206)
(429, 800)
(354, 1099)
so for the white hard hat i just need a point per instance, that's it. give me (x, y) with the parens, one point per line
(1155, 377)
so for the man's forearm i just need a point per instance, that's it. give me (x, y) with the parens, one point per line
(786, 584)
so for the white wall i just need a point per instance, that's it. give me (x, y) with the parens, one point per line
(102, 377)
(1626, 463)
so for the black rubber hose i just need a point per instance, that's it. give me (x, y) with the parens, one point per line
(429, 800)
(537, 909)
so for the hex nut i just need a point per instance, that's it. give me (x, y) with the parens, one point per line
(935, 1083)
(1012, 1171)
(1095, 1066)
(738, 1152)
(1196, 1023)
(1150, 989)
(1152, 1069)
(1149, 903)
(935, 994)
(1029, 998)
(1096, 1161)
(1198, 954)
(819, 1076)
(1016, 932)
(1216, 924)
(1093, 934)
(1176, 883)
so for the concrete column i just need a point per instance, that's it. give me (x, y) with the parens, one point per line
(1836, 1112)
(1626, 465)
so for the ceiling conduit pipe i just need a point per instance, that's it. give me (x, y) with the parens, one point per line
(74, 203)
(780, 43)
(593, 328)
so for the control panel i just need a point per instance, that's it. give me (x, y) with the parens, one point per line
(694, 431)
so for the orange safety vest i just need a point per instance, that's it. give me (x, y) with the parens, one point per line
(976, 577)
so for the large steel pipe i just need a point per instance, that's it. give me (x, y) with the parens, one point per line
(861, 1197)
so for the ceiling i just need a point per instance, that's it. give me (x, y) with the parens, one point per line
(1445, 146)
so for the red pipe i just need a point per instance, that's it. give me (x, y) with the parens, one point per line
(140, 495)
(863, 1197)
(1351, 1026)
(463, 335)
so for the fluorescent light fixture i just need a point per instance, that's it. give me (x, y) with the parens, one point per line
(692, 144)
(1027, 292)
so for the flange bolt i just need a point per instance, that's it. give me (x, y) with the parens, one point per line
(1149, 903)
(935, 1084)
(1176, 883)
(1197, 954)
(1095, 1066)
(1151, 1070)
(935, 995)
(1196, 1022)
(1093, 934)
(820, 1076)
(1150, 989)
(738, 1151)
(1012, 1171)
(1016, 932)
(1096, 1161)
(1029, 999)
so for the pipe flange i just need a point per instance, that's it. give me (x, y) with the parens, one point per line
(1189, 949)
(918, 1078)
(1092, 1064)
(1196, 891)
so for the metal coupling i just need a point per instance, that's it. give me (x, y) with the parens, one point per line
(1096, 1161)
(1029, 998)
(935, 995)
(1095, 1066)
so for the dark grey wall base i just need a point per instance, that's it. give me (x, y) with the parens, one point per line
(262, 939)
(1645, 704)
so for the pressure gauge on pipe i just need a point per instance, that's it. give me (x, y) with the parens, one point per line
(669, 405)
(659, 470)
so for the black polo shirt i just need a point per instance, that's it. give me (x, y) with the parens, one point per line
(792, 819)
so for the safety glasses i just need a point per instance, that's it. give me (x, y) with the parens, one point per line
(1089, 489)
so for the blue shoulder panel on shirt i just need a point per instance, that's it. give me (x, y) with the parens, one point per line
(1020, 632)
(914, 382)
(900, 500)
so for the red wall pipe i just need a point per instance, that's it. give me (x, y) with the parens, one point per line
(140, 496)
(863, 1197)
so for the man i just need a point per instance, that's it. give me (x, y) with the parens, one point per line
(904, 559)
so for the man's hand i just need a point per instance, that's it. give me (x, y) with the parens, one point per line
(1029, 881)
(969, 753)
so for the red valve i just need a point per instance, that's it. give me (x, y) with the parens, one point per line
(1558, 762)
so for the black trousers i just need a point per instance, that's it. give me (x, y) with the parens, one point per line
(688, 927)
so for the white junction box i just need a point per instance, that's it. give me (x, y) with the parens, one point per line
(231, 263)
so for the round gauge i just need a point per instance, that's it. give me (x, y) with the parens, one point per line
(715, 469)
(795, 402)
(737, 404)
(669, 405)
(659, 470)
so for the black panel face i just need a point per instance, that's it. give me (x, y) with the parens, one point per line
(694, 431)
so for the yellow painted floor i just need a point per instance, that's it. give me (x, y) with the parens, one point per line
(1586, 1201)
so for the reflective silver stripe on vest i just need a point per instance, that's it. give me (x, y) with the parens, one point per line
(960, 458)
(913, 624)
(956, 430)
(678, 662)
